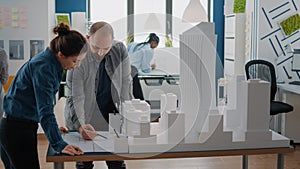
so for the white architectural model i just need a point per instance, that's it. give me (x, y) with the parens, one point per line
(171, 126)
(171, 123)
(198, 125)
(135, 113)
(136, 122)
(246, 126)
(197, 76)
(249, 117)
(168, 102)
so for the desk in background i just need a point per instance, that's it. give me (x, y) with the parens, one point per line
(158, 82)
(289, 88)
(290, 123)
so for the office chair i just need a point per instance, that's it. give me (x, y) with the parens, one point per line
(264, 70)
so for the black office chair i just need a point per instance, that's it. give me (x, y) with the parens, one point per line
(264, 70)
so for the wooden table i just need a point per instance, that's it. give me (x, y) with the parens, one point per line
(59, 159)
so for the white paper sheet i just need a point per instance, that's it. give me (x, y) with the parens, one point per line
(98, 144)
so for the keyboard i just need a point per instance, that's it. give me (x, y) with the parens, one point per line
(295, 82)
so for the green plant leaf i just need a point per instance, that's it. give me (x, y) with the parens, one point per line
(239, 6)
(291, 24)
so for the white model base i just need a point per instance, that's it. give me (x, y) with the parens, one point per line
(171, 128)
(213, 133)
(216, 139)
(121, 144)
(137, 140)
(145, 137)
(276, 142)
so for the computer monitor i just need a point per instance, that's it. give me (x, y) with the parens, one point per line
(296, 60)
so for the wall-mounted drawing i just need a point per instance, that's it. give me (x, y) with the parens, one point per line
(62, 17)
(2, 44)
(16, 49)
(36, 46)
(291, 24)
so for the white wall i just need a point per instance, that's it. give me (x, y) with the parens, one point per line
(39, 19)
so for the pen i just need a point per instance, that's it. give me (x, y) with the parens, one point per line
(101, 136)
(116, 133)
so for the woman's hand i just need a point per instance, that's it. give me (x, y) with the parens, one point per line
(87, 132)
(72, 150)
(63, 130)
(153, 66)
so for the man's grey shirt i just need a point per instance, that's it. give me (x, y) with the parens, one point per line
(82, 85)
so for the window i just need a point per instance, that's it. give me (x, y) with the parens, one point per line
(179, 26)
(149, 17)
(116, 15)
(179, 6)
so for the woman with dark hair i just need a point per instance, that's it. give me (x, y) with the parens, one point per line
(141, 54)
(30, 100)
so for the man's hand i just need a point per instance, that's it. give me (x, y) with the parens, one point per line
(72, 150)
(87, 132)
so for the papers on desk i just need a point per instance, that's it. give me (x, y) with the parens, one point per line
(99, 144)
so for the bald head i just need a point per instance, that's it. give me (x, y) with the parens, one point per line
(103, 27)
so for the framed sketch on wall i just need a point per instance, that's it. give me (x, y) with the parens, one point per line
(36, 46)
(62, 17)
(16, 49)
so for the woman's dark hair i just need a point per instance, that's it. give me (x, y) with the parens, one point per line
(68, 42)
(153, 37)
(150, 38)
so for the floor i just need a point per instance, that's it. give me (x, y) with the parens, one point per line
(292, 161)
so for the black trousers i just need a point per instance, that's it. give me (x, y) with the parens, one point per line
(18, 143)
(136, 85)
(137, 88)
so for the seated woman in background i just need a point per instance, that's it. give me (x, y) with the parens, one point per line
(141, 54)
